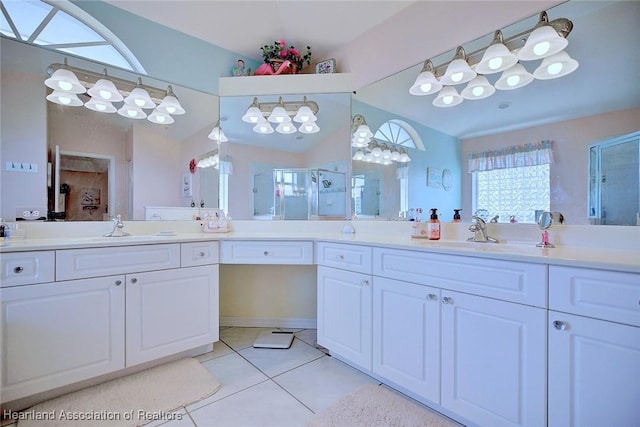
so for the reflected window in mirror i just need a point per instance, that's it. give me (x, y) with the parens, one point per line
(508, 182)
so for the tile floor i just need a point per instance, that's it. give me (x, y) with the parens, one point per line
(268, 387)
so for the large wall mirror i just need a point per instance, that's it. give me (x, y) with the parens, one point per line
(287, 176)
(598, 101)
(108, 164)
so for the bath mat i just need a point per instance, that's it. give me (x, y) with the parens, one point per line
(376, 406)
(134, 400)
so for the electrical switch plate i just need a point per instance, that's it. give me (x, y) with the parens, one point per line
(31, 213)
(21, 167)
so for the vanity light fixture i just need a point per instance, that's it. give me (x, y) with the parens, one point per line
(282, 114)
(447, 97)
(545, 41)
(209, 159)
(105, 90)
(64, 80)
(426, 83)
(514, 78)
(381, 153)
(458, 71)
(217, 134)
(170, 103)
(497, 57)
(360, 131)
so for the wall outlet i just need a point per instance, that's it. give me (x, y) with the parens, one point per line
(31, 213)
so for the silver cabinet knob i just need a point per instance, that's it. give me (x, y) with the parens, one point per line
(432, 297)
(266, 253)
(365, 282)
(134, 280)
(447, 300)
(340, 257)
(201, 254)
(559, 325)
(118, 282)
(18, 269)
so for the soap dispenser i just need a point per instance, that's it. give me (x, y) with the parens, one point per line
(433, 226)
(456, 215)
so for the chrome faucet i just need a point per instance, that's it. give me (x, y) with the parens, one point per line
(479, 228)
(118, 228)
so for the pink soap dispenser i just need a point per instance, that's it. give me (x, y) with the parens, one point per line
(433, 226)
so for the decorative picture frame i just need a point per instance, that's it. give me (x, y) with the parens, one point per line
(327, 66)
(434, 177)
(187, 190)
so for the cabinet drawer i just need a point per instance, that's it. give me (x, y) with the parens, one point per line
(519, 282)
(27, 268)
(201, 253)
(266, 252)
(96, 262)
(607, 295)
(344, 256)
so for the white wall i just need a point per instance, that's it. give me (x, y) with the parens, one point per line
(569, 173)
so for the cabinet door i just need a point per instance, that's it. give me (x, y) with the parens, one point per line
(344, 314)
(494, 360)
(594, 372)
(170, 311)
(55, 334)
(406, 336)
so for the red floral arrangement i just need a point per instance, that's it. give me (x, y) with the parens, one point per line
(280, 51)
(192, 166)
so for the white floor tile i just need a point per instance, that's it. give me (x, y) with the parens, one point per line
(234, 373)
(307, 335)
(323, 381)
(175, 419)
(263, 405)
(276, 361)
(219, 349)
(239, 338)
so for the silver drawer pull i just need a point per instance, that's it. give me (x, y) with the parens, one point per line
(365, 282)
(447, 300)
(18, 269)
(201, 254)
(118, 282)
(559, 325)
(134, 280)
(266, 253)
(340, 257)
(432, 297)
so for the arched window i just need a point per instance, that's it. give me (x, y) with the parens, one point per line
(66, 28)
(400, 133)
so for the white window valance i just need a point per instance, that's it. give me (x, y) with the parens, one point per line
(533, 154)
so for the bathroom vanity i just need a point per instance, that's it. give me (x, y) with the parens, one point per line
(489, 334)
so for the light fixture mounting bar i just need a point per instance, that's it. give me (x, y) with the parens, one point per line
(89, 78)
(291, 107)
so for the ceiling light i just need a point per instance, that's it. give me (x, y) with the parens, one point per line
(497, 57)
(310, 127)
(279, 114)
(170, 103)
(140, 97)
(160, 118)
(554, 66)
(132, 112)
(478, 88)
(426, 83)
(99, 105)
(448, 97)
(64, 98)
(458, 71)
(217, 134)
(546, 38)
(514, 78)
(65, 80)
(105, 90)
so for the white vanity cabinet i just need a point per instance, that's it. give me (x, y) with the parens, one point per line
(480, 350)
(594, 347)
(109, 308)
(344, 299)
(279, 252)
(55, 334)
(406, 335)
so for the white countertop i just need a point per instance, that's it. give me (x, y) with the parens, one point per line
(620, 259)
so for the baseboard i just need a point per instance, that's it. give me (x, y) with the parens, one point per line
(269, 322)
